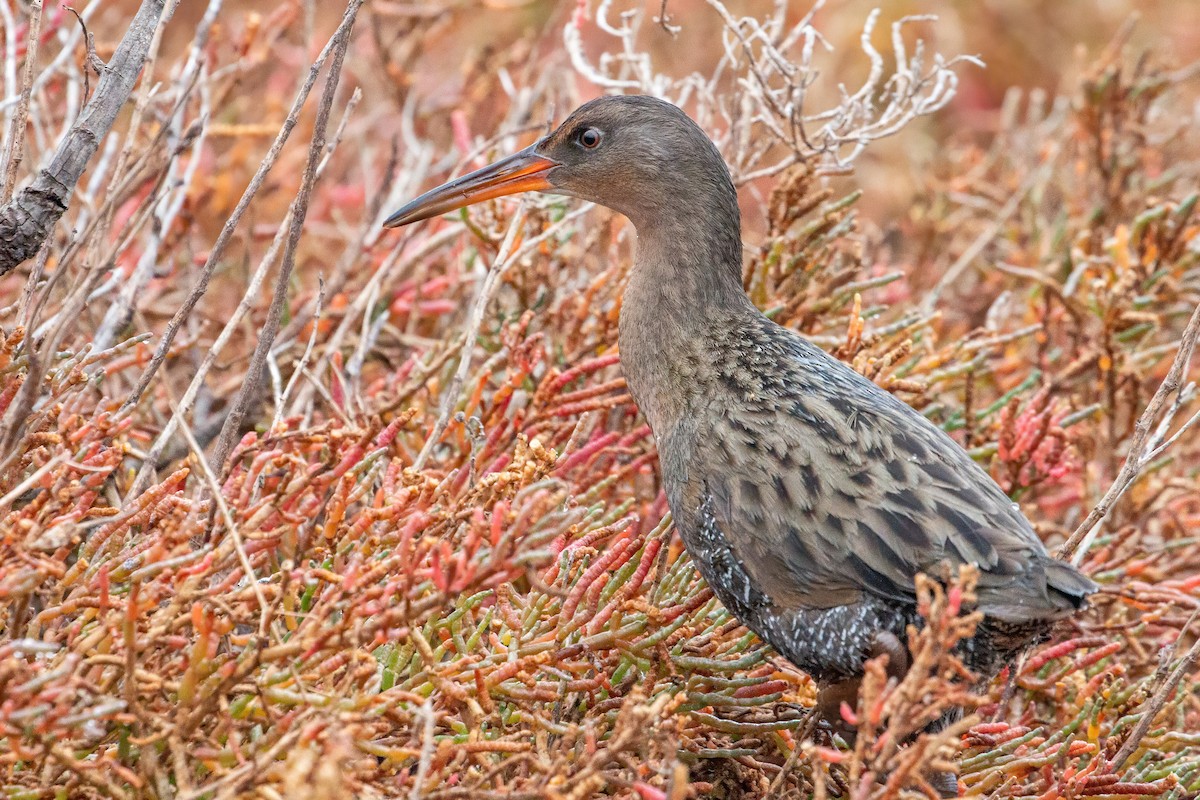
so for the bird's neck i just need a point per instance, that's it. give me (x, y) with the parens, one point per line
(687, 278)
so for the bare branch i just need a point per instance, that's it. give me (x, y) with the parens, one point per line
(775, 66)
(26, 222)
(1165, 687)
(14, 150)
(231, 224)
(266, 337)
(1139, 449)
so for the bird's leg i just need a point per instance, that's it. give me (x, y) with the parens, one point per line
(888, 644)
(829, 706)
(832, 695)
(944, 783)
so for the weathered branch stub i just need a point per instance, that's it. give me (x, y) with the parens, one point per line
(26, 222)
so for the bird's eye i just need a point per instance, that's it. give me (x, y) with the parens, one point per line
(590, 138)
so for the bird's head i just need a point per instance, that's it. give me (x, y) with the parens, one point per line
(637, 155)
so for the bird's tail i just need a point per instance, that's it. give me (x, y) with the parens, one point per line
(1068, 587)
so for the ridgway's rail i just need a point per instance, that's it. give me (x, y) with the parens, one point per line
(808, 497)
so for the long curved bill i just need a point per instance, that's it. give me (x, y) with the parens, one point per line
(521, 172)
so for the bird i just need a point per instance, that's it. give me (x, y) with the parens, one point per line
(808, 497)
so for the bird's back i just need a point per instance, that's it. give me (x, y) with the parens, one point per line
(830, 492)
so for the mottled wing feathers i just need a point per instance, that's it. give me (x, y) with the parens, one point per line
(828, 487)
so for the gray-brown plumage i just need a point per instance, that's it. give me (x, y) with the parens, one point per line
(808, 497)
